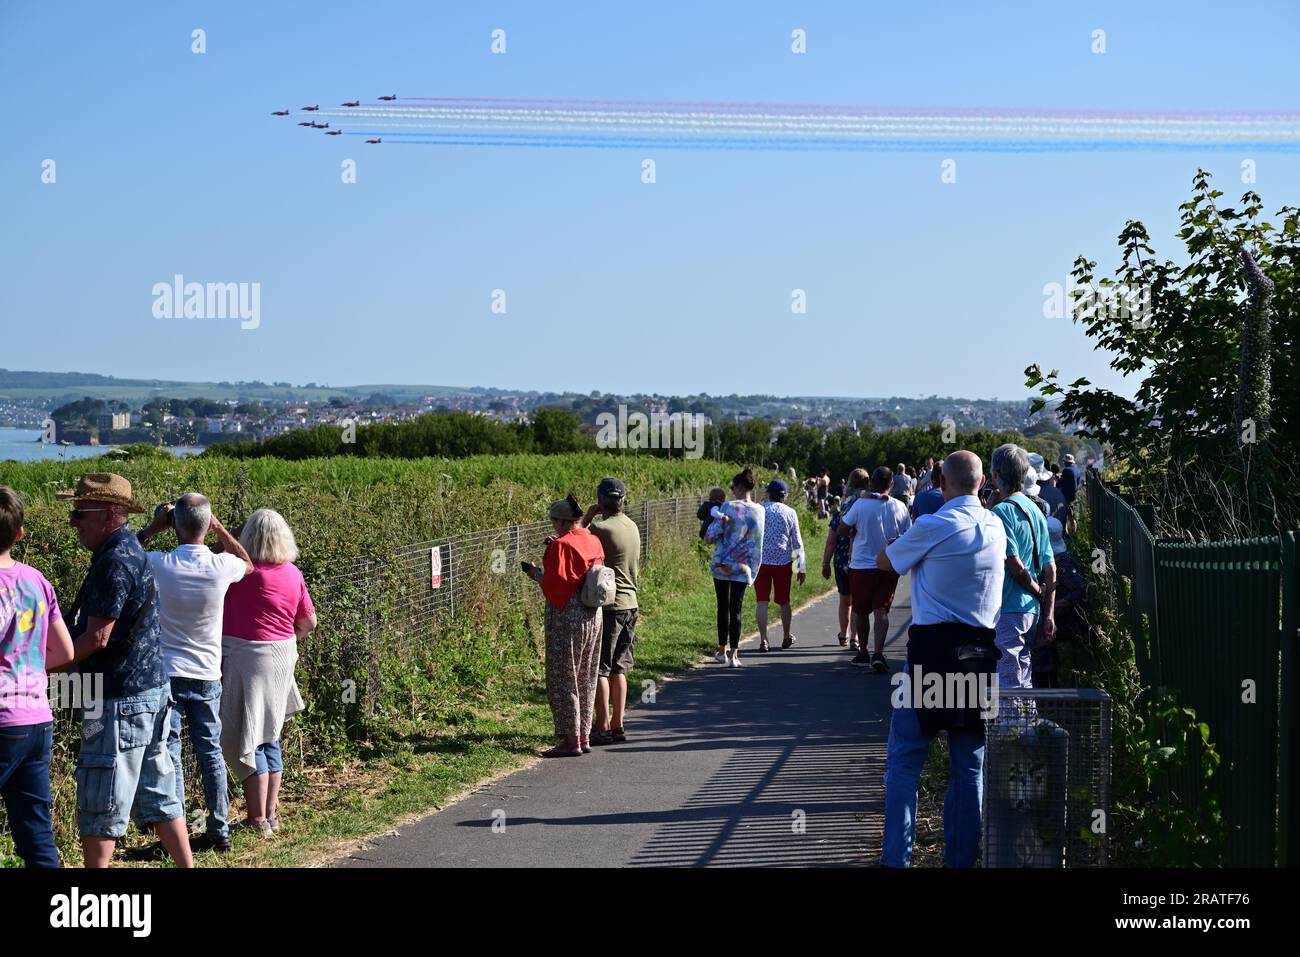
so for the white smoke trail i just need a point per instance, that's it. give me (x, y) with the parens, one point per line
(1274, 132)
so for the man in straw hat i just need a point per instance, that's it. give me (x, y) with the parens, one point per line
(123, 767)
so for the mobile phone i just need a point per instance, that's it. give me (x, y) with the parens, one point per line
(528, 567)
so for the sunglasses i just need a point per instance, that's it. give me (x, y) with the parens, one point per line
(78, 513)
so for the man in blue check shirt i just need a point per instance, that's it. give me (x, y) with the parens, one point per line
(123, 767)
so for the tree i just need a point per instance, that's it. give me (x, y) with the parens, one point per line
(556, 430)
(1209, 407)
(800, 446)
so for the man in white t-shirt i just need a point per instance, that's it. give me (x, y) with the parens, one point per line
(192, 582)
(874, 521)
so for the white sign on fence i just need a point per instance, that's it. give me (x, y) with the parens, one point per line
(435, 566)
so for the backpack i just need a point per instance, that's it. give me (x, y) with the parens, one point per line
(598, 587)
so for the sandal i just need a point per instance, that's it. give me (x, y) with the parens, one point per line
(565, 748)
(762, 646)
(599, 738)
(617, 736)
(560, 751)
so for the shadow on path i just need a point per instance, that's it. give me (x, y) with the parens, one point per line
(777, 763)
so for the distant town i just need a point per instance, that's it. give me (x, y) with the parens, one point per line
(89, 409)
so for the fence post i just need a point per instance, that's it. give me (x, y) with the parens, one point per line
(1288, 834)
(372, 671)
(451, 582)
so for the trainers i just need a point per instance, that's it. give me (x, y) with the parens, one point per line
(274, 821)
(861, 659)
(264, 828)
(878, 664)
(735, 661)
(721, 656)
(789, 640)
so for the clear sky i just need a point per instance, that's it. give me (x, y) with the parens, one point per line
(169, 162)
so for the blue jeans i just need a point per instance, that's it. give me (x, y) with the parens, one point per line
(267, 758)
(200, 702)
(1015, 639)
(124, 770)
(908, 749)
(25, 787)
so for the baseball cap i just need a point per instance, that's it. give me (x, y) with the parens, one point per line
(777, 487)
(611, 488)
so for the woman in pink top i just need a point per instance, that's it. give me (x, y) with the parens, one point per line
(265, 615)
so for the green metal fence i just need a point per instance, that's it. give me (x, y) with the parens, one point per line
(1218, 622)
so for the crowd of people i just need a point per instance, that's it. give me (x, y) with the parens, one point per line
(992, 585)
(204, 640)
(195, 639)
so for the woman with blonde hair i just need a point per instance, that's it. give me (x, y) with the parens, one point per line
(265, 615)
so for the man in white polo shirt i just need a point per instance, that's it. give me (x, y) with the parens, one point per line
(874, 521)
(192, 582)
(957, 559)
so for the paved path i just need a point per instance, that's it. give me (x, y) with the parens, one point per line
(714, 773)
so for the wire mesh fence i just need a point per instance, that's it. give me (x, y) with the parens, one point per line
(1047, 779)
(400, 597)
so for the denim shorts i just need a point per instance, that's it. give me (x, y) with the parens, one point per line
(124, 770)
(267, 758)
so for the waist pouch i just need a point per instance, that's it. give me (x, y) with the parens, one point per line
(950, 648)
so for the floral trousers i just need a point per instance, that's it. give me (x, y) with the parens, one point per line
(572, 661)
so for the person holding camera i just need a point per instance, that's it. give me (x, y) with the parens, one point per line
(124, 770)
(572, 628)
(621, 541)
(192, 581)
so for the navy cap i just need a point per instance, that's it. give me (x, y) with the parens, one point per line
(776, 486)
(611, 488)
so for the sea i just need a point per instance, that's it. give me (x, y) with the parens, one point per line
(21, 445)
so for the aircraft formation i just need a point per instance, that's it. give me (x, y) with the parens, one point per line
(312, 124)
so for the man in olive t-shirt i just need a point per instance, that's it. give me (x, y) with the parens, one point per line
(621, 540)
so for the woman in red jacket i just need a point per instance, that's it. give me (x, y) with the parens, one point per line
(572, 629)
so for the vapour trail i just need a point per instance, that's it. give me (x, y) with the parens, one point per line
(683, 125)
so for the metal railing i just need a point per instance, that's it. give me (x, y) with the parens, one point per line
(1218, 623)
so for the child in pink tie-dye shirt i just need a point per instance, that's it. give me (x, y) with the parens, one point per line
(33, 638)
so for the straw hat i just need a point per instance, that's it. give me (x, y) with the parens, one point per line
(103, 487)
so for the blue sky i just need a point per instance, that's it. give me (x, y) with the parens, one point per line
(169, 162)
